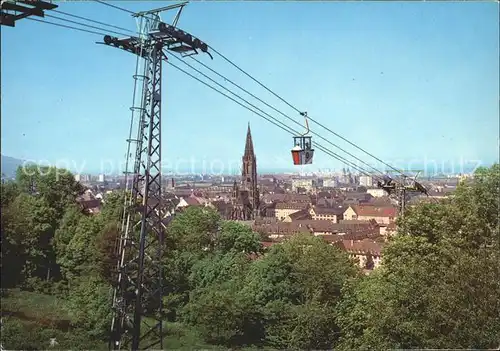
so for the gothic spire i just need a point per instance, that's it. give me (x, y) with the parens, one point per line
(249, 144)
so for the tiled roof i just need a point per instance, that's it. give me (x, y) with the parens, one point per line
(325, 195)
(323, 226)
(375, 211)
(291, 206)
(90, 204)
(363, 247)
(330, 210)
(322, 202)
(332, 238)
(302, 214)
(182, 192)
(283, 228)
(192, 201)
(286, 198)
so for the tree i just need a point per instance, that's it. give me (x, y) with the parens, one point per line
(237, 237)
(280, 296)
(79, 258)
(29, 225)
(294, 281)
(106, 251)
(437, 286)
(67, 228)
(112, 210)
(228, 318)
(57, 186)
(89, 306)
(194, 230)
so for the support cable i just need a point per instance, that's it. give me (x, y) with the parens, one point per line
(66, 26)
(279, 97)
(290, 130)
(85, 25)
(296, 109)
(94, 21)
(273, 108)
(272, 120)
(114, 6)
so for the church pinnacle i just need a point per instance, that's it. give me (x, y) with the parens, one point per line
(249, 144)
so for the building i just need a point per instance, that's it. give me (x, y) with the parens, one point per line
(367, 252)
(376, 192)
(284, 209)
(334, 214)
(83, 178)
(101, 178)
(366, 181)
(330, 182)
(306, 184)
(384, 215)
(245, 197)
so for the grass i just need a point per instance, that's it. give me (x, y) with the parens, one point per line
(46, 310)
(30, 319)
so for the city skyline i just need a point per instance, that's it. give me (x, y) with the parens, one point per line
(404, 82)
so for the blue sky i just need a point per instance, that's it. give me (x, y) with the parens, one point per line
(405, 80)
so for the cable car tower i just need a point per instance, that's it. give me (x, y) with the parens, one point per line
(402, 190)
(138, 291)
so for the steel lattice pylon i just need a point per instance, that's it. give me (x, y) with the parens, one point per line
(139, 287)
(138, 291)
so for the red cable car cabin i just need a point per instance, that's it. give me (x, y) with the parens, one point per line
(302, 153)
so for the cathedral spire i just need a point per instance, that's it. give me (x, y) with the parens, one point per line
(249, 144)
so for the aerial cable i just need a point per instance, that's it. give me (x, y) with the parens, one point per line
(84, 24)
(65, 26)
(93, 21)
(290, 130)
(281, 126)
(296, 109)
(228, 90)
(116, 7)
(278, 96)
(278, 111)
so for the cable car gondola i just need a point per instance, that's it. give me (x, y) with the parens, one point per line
(302, 152)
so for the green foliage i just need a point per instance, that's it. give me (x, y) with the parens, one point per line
(295, 281)
(273, 301)
(106, 254)
(89, 306)
(17, 335)
(29, 225)
(80, 257)
(67, 229)
(194, 230)
(438, 286)
(219, 268)
(228, 318)
(237, 237)
(112, 210)
(57, 186)
(9, 191)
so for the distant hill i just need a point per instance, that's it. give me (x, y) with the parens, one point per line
(9, 166)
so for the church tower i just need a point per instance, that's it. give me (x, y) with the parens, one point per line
(249, 174)
(246, 196)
